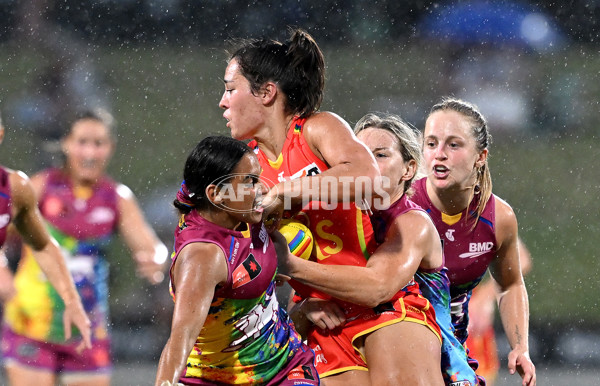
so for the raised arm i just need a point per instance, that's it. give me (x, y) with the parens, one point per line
(409, 240)
(512, 301)
(149, 253)
(29, 223)
(352, 168)
(199, 268)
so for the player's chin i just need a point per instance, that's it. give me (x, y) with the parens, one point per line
(253, 217)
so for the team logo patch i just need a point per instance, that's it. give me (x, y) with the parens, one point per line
(246, 272)
(53, 206)
(301, 372)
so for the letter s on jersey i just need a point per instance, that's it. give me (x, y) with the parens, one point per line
(324, 252)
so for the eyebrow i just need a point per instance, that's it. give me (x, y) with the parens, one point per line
(380, 148)
(227, 81)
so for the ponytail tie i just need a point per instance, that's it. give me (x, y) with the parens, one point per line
(184, 196)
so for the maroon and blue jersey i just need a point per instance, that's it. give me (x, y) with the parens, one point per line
(435, 287)
(247, 337)
(83, 224)
(469, 248)
(5, 204)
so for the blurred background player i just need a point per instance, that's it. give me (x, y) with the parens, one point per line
(18, 207)
(83, 208)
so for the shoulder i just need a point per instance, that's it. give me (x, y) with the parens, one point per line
(413, 225)
(123, 192)
(320, 122)
(504, 212)
(506, 220)
(201, 251)
(39, 179)
(203, 257)
(22, 192)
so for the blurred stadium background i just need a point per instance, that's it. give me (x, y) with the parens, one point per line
(157, 65)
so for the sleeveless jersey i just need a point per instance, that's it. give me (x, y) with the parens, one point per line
(468, 251)
(247, 337)
(83, 229)
(5, 204)
(435, 287)
(342, 233)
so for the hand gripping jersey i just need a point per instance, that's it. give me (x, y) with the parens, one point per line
(342, 235)
(468, 251)
(435, 287)
(5, 204)
(247, 337)
(83, 227)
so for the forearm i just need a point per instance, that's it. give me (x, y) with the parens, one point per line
(514, 312)
(54, 266)
(359, 285)
(173, 359)
(342, 183)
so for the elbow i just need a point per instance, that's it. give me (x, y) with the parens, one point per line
(377, 295)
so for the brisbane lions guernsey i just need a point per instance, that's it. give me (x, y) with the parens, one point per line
(5, 215)
(342, 235)
(247, 337)
(468, 250)
(83, 223)
(435, 287)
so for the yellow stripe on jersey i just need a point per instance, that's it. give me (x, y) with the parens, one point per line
(451, 220)
(276, 164)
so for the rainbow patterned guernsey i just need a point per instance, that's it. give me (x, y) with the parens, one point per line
(83, 225)
(247, 337)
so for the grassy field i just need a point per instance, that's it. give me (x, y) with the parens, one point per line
(165, 100)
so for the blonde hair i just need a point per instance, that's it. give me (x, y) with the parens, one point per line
(409, 138)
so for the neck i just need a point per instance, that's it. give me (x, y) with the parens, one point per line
(219, 217)
(272, 138)
(397, 194)
(78, 182)
(449, 201)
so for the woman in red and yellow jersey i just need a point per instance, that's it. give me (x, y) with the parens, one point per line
(317, 171)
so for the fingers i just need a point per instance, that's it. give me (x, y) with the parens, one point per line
(512, 365)
(521, 363)
(82, 323)
(324, 314)
(151, 272)
(281, 279)
(86, 334)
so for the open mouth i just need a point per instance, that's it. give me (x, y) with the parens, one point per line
(257, 207)
(89, 163)
(440, 171)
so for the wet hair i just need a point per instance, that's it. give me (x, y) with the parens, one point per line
(297, 66)
(212, 159)
(408, 137)
(483, 139)
(99, 115)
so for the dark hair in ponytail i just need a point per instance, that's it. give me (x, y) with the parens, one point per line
(212, 159)
(297, 66)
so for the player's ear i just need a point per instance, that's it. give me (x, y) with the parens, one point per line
(213, 194)
(268, 92)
